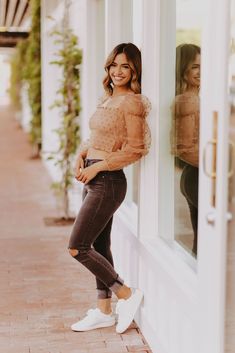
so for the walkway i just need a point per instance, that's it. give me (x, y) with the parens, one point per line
(42, 288)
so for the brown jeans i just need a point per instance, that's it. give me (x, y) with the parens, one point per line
(189, 188)
(92, 228)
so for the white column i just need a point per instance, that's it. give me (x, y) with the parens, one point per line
(87, 19)
(118, 17)
(158, 57)
(138, 22)
(166, 168)
(150, 87)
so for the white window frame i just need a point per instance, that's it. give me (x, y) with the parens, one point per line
(155, 233)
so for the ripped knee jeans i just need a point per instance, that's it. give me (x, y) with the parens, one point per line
(92, 228)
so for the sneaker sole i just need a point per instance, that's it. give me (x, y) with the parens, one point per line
(131, 318)
(105, 324)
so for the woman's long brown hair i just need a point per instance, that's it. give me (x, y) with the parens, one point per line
(133, 56)
(185, 55)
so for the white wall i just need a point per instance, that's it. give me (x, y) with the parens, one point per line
(118, 15)
(5, 72)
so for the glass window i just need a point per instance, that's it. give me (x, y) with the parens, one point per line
(179, 125)
(186, 117)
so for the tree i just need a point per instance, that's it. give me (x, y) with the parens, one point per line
(69, 58)
(32, 69)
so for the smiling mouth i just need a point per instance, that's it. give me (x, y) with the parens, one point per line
(118, 77)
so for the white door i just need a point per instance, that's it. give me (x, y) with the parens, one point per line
(185, 294)
(213, 195)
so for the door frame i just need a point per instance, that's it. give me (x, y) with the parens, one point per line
(208, 281)
(213, 215)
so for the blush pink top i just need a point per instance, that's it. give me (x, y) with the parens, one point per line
(185, 132)
(119, 127)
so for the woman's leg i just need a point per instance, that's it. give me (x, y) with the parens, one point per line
(194, 221)
(104, 196)
(97, 209)
(189, 188)
(103, 246)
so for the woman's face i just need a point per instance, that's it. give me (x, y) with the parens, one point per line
(120, 71)
(192, 74)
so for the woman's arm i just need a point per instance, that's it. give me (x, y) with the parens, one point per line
(134, 147)
(137, 134)
(133, 150)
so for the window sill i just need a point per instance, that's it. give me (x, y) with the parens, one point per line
(175, 260)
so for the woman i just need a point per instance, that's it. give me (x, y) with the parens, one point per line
(186, 125)
(119, 137)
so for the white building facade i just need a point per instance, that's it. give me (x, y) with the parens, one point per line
(184, 297)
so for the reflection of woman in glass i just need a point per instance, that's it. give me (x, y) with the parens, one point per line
(186, 126)
(119, 137)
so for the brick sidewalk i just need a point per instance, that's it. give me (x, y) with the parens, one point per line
(43, 290)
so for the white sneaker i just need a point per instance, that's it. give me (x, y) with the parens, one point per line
(126, 310)
(94, 319)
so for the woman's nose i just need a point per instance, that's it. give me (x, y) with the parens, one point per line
(118, 69)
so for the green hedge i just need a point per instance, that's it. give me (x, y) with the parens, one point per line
(26, 67)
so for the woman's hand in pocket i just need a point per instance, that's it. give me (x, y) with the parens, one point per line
(87, 174)
(79, 166)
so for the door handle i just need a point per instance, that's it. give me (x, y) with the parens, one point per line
(211, 173)
(231, 170)
(231, 159)
(210, 217)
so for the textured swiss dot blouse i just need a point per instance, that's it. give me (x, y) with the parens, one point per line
(119, 127)
(185, 131)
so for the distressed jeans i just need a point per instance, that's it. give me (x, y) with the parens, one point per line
(91, 233)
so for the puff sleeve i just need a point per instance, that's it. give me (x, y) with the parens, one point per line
(185, 131)
(136, 141)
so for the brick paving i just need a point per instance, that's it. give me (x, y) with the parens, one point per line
(43, 290)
